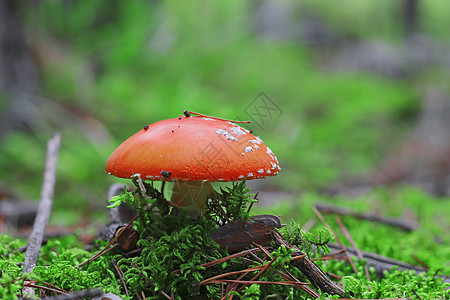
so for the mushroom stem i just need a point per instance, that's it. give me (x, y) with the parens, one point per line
(191, 194)
(163, 184)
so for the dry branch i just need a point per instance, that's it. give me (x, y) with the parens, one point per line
(45, 207)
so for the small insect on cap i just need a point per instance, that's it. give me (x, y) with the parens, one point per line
(193, 148)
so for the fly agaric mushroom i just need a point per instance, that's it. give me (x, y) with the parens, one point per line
(193, 151)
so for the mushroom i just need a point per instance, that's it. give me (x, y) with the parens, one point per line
(192, 152)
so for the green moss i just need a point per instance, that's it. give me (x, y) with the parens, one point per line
(173, 247)
(397, 284)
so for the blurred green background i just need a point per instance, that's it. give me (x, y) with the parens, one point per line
(348, 79)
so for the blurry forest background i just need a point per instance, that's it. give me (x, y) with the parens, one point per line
(349, 95)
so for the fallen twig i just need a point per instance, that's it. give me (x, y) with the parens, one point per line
(319, 215)
(258, 274)
(57, 288)
(401, 224)
(314, 274)
(108, 296)
(221, 260)
(187, 113)
(232, 285)
(78, 295)
(110, 246)
(247, 282)
(378, 262)
(285, 273)
(120, 273)
(44, 209)
(252, 269)
(420, 262)
(350, 239)
(51, 289)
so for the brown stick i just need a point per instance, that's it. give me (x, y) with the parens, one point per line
(32, 285)
(44, 209)
(314, 274)
(285, 273)
(205, 116)
(319, 215)
(378, 262)
(350, 239)
(78, 295)
(330, 209)
(120, 273)
(110, 246)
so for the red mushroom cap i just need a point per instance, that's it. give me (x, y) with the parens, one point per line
(193, 149)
